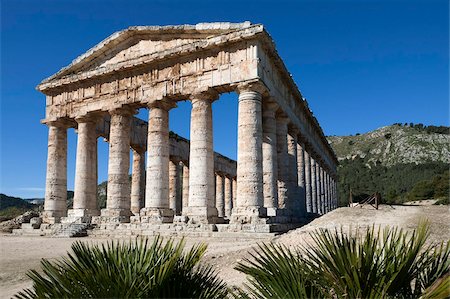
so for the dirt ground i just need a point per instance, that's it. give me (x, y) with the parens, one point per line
(18, 254)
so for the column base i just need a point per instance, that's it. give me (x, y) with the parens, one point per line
(203, 215)
(155, 215)
(253, 215)
(79, 216)
(113, 216)
(52, 217)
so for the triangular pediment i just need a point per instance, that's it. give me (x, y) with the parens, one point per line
(140, 41)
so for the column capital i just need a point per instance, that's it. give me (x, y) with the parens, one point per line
(257, 87)
(270, 107)
(63, 123)
(162, 104)
(93, 118)
(282, 118)
(125, 110)
(175, 159)
(210, 94)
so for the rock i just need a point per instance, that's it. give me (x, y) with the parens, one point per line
(8, 226)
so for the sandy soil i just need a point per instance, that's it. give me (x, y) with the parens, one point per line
(19, 254)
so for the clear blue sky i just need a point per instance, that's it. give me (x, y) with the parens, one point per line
(360, 64)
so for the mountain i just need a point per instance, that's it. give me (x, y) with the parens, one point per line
(402, 162)
(396, 144)
(11, 207)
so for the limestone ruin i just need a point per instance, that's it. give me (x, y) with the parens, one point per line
(285, 171)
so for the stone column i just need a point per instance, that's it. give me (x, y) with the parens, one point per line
(330, 203)
(220, 198)
(185, 192)
(250, 202)
(322, 190)
(336, 196)
(118, 201)
(157, 208)
(85, 195)
(313, 186)
(201, 161)
(333, 194)
(174, 186)
(319, 188)
(293, 200)
(308, 190)
(283, 160)
(138, 181)
(234, 187)
(330, 186)
(301, 178)
(228, 197)
(270, 163)
(55, 203)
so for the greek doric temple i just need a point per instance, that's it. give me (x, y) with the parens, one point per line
(285, 170)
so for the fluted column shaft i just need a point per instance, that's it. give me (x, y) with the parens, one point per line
(201, 161)
(270, 160)
(293, 200)
(228, 197)
(55, 203)
(283, 161)
(174, 186)
(322, 190)
(185, 192)
(330, 204)
(336, 196)
(313, 186)
(330, 186)
(220, 196)
(118, 202)
(308, 190)
(301, 178)
(138, 181)
(234, 195)
(157, 178)
(250, 202)
(318, 188)
(85, 195)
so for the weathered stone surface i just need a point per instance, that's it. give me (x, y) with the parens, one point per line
(270, 165)
(185, 195)
(301, 178)
(293, 197)
(313, 186)
(249, 202)
(220, 195)
(55, 205)
(174, 186)
(201, 207)
(85, 195)
(157, 187)
(118, 201)
(283, 160)
(308, 187)
(228, 196)
(138, 181)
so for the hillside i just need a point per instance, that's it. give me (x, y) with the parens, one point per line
(402, 162)
(11, 207)
(396, 144)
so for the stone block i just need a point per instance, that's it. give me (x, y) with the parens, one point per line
(156, 215)
(36, 222)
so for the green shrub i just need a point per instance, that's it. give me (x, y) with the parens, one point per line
(121, 270)
(377, 264)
